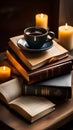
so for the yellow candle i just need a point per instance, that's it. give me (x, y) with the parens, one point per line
(65, 35)
(5, 73)
(42, 20)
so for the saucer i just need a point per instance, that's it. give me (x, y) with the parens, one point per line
(22, 43)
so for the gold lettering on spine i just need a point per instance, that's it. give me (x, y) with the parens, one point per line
(45, 91)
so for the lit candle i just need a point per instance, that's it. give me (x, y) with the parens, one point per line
(42, 20)
(5, 73)
(65, 35)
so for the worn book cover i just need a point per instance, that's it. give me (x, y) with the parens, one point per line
(59, 87)
(34, 60)
(43, 73)
(30, 107)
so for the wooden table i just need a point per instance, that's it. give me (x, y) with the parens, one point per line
(54, 120)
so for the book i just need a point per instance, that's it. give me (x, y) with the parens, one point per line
(35, 60)
(31, 108)
(59, 87)
(51, 70)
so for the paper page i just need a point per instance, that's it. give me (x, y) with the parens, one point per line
(31, 106)
(11, 89)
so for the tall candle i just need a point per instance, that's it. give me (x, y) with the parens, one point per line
(5, 73)
(42, 20)
(65, 35)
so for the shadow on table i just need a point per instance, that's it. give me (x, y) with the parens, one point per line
(4, 126)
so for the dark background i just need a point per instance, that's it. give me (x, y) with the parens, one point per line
(66, 12)
(16, 15)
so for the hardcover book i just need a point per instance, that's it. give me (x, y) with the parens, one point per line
(51, 70)
(34, 60)
(30, 107)
(59, 87)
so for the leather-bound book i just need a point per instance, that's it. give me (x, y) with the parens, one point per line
(43, 73)
(59, 87)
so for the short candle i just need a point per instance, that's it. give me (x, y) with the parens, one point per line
(65, 35)
(42, 20)
(5, 73)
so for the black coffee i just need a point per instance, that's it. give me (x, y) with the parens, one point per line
(36, 33)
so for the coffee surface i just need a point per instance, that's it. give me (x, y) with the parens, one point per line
(35, 33)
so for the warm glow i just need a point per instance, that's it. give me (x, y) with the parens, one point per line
(66, 26)
(41, 20)
(5, 73)
(65, 35)
(4, 68)
(41, 16)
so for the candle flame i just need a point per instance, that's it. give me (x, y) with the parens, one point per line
(41, 15)
(4, 68)
(66, 26)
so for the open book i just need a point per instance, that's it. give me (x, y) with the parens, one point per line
(35, 60)
(30, 107)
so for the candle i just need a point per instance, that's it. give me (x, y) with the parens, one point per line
(65, 35)
(42, 20)
(5, 73)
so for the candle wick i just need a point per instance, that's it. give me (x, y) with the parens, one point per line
(66, 26)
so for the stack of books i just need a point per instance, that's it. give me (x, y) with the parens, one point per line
(39, 66)
(44, 74)
(32, 66)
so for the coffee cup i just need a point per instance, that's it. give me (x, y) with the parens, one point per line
(36, 37)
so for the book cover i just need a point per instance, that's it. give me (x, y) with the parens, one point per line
(59, 87)
(51, 70)
(34, 60)
(30, 107)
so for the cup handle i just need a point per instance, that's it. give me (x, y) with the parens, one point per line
(52, 35)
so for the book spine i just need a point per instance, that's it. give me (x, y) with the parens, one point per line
(50, 72)
(19, 54)
(17, 65)
(48, 91)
